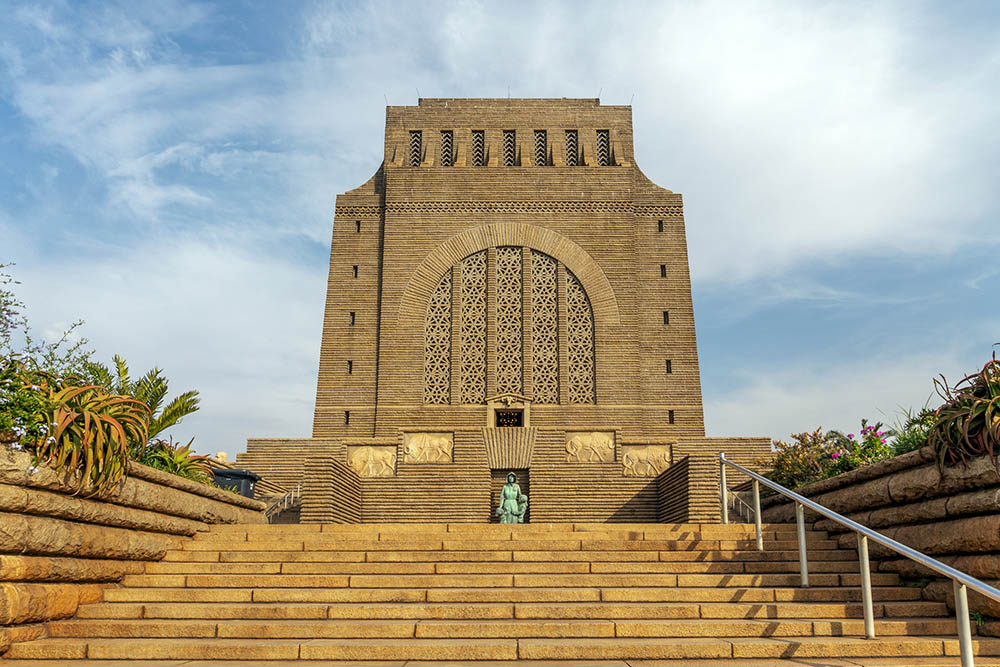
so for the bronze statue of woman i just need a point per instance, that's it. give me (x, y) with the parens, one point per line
(509, 494)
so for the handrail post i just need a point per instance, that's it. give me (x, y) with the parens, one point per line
(866, 586)
(722, 487)
(800, 519)
(756, 515)
(964, 627)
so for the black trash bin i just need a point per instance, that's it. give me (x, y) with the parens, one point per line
(243, 480)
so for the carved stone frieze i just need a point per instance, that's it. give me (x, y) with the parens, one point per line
(369, 461)
(428, 447)
(591, 447)
(645, 460)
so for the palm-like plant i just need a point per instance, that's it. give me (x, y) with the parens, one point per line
(150, 389)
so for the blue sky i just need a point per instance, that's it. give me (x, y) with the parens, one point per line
(168, 172)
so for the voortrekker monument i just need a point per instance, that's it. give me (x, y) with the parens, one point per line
(508, 293)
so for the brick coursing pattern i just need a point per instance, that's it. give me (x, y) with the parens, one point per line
(605, 229)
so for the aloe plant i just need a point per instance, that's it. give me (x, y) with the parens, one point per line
(170, 457)
(91, 429)
(968, 424)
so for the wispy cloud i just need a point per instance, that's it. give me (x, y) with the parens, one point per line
(185, 156)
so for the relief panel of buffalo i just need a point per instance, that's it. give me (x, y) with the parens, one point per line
(645, 461)
(372, 461)
(428, 447)
(590, 447)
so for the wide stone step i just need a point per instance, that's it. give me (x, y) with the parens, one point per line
(493, 649)
(489, 628)
(501, 567)
(566, 610)
(466, 595)
(494, 580)
(324, 544)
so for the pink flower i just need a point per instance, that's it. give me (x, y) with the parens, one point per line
(835, 455)
(850, 435)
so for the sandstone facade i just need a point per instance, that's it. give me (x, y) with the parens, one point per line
(509, 292)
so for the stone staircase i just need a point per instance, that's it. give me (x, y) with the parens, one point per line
(493, 592)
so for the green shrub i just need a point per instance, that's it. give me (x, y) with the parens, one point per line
(912, 433)
(171, 457)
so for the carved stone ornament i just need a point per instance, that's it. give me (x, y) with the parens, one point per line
(645, 461)
(592, 447)
(370, 461)
(427, 447)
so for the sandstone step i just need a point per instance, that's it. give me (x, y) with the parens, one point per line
(498, 567)
(487, 628)
(491, 649)
(606, 610)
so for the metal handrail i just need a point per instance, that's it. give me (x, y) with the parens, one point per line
(283, 502)
(960, 580)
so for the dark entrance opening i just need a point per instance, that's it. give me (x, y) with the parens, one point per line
(510, 418)
(498, 479)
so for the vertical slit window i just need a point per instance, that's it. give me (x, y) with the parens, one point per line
(663, 270)
(666, 317)
(603, 148)
(659, 225)
(478, 148)
(357, 226)
(447, 148)
(355, 269)
(509, 148)
(541, 148)
(347, 416)
(670, 416)
(350, 367)
(670, 367)
(572, 148)
(352, 318)
(416, 148)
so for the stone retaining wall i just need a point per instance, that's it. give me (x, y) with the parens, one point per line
(59, 550)
(953, 516)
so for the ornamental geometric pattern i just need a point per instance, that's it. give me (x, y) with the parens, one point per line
(572, 153)
(437, 344)
(416, 148)
(580, 343)
(447, 145)
(509, 336)
(541, 148)
(603, 148)
(473, 328)
(478, 148)
(544, 329)
(509, 148)
(502, 285)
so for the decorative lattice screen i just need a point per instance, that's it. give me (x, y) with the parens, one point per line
(473, 331)
(580, 342)
(544, 329)
(437, 344)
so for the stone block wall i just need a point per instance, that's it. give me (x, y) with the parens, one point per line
(331, 492)
(688, 491)
(59, 550)
(953, 516)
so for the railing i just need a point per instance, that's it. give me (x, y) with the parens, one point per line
(283, 502)
(960, 580)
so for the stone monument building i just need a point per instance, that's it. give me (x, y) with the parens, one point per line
(508, 292)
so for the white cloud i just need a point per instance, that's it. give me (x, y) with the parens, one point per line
(779, 401)
(241, 329)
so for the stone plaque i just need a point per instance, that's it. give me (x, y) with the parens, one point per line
(645, 461)
(590, 447)
(427, 447)
(372, 461)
